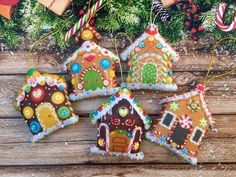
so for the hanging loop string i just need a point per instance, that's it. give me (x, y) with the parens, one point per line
(117, 52)
(206, 80)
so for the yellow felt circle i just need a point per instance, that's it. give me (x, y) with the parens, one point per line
(58, 98)
(169, 80)
(87, 35)
(28, 112)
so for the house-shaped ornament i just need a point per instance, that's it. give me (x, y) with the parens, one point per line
(44, 104)
(92, 71)
(150, 62)
(120, 122)
(184, 122)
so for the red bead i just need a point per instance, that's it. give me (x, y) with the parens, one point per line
(200, 28)
(117, 95)
(194, 7)
(152, 30)
(81, 12)
(100, 109)
(187, 23)
(187, 14)
(131, 97)
(196, 16)
(193, 30)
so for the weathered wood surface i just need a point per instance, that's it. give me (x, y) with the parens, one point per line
(65, 153)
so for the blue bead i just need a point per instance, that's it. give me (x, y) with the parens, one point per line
(96, 113)
(170, 73)
(105, 64)
(142, 44)
(35, 127)
(159, 45)
(113, 98)
(61, 87)
(129, 135)
(76, 68)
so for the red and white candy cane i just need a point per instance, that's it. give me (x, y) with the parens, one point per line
(219, 19)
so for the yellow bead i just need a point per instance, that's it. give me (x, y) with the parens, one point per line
(42, 83)
(129, 79)
(169, 80)
(151, 38)
(111, 73)
(87, 35)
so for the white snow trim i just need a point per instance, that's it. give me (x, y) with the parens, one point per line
(121, 97)
(95, 93)
(153, 138)
(34, 81)
(72, 120)
(125, 55)
(84, 48)
(136, 156)
(161, 87)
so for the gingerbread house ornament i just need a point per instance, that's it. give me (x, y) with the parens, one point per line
(120, 122)
(92, 71)
(184, 122)
(150, 62)
(43, 102)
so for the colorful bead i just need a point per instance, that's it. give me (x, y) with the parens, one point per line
(159, 45)
(151, 38)
(27, 89)
(63, 112)
(111, 73)
(169, 80)
(137, 49)
(28, 112)
(37, 94)
(76, 68)
(31, 71)
(170, 73)
(87, 35)
(35, 127)
(142, 44)
(105, 64)
(58, 98)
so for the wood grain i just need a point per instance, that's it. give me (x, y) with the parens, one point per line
(122, 171)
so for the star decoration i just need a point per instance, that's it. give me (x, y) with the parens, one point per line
(203, 122)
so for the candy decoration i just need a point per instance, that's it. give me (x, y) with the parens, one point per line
(83, 20)
(185, 122)
(162, 12)
(75, 68)
(219, 19)
(105, 64)
(58, 98)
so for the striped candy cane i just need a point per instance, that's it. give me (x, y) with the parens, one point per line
(219, 18)
(83, 19)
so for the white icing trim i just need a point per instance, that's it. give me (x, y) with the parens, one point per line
(162, 87)
(84, 48)
(136, 156)
(132, 140)
(90, 93)
(114, 102)
(33, 81)
(125, 55)
(72, 120)
(172, 121)
(151, 136)
(107, 133)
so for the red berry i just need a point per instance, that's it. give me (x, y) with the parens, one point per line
(92, 22)
(187, 24)
(187, 14)
(185, 6)
(194, 7)
(193, 30)
(81, 12)
(200, 28)
(196, 16)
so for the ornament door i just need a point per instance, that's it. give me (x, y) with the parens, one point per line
(92, 80)
(47, 115)
(149, 74)
(119, 143)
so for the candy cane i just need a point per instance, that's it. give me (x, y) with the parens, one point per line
(219, 18)
(83, 19)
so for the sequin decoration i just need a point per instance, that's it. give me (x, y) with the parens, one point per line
(63, 112)
(58, 98)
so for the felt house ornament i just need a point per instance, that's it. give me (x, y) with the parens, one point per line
(184, 123)
(92, 70)
(44, 104)
(120, 122)
(150, 62)
(7, 7)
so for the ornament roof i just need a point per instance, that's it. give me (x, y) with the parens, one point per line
(152, 30)
(89, 46)
(35, 78)
(123, 93)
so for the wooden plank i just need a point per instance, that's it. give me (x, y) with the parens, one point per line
(15, 130)
(18, 62)
(221, 95)
(70, 146)
(122, 171)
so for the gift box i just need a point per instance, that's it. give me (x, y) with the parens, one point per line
(168, 3)
(7, 7)
(57, 6)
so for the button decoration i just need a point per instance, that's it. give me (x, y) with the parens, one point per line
(63, 112)
(105, 64)
(75, 68)
(58, 98)
(28, 112)
(37, 94)
(35, 127)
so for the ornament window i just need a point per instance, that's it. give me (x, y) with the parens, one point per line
(168, 120)
(197, 135)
